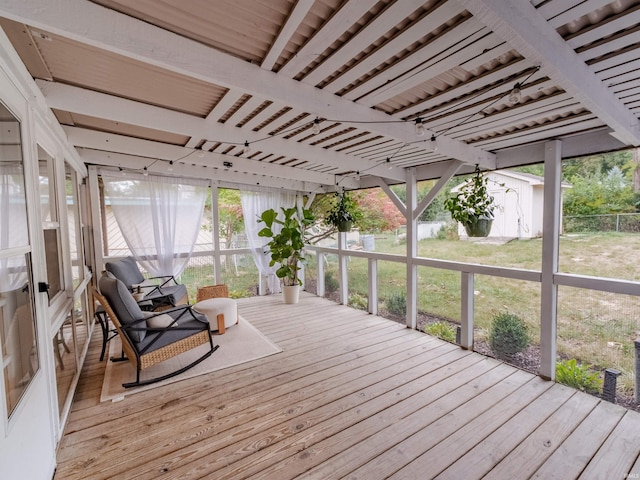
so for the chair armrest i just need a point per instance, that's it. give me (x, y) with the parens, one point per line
(169, 278)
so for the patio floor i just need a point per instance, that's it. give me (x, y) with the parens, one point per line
(351, 396)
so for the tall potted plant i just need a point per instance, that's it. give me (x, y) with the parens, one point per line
(286, 246)
(343, 213)
(472, 206)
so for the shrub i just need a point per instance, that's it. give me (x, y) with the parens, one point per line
(508, 334)
(441, 330)
(358, 301)
(331, 283)
(397, 303)
(576, 375)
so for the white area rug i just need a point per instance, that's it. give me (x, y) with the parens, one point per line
(240, 343)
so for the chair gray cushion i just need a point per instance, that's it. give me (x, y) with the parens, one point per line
(124, 306)
(172, 293)
(126, 270)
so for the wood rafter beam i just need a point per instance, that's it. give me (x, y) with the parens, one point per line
(106, 29)
(519, 24)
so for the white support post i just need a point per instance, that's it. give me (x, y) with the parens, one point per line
(320, 270)
(96, 224)
(215, 230)
(342, 269)
(550, 240)
(373, 286)
(466, 314)
(412, 249)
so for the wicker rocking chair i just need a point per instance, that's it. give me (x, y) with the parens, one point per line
(149, 338)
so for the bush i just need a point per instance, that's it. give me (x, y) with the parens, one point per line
(358, 301)
(331, 283)
(576, 375)
(508, 334)
(441, 330)
(397, 304)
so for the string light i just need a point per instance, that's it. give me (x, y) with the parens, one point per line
(420, 130)
(433, 144)
(145, 171)
(122, 172)
(246, 148)
(170, 167)
(316, 126)
(516, 95)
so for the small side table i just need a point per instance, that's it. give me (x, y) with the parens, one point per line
(222, 312)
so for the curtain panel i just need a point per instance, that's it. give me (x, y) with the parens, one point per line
(159, 218)
(253, 204)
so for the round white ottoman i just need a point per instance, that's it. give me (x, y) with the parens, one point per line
(221, 312)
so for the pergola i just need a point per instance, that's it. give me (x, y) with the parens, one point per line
(324, 95)
(317, 96)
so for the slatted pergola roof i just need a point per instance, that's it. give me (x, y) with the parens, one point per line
(328, 93)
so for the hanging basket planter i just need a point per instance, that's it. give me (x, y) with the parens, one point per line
(481, 227)
(344, 226)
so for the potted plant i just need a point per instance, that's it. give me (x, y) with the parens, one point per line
(472, 206)
(286, 246)
(343, 213)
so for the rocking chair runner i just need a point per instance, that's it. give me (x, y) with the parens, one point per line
(145, 346)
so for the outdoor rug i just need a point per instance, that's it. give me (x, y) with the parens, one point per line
(240, 343)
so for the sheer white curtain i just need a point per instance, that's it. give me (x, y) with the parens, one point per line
(253, 204)
(13, 225)
(159, 218)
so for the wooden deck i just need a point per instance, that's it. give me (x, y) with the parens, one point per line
(352, 396)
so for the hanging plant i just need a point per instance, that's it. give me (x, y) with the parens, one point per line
(343, 213)
(472, 206)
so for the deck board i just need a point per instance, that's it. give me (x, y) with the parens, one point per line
(351, 395)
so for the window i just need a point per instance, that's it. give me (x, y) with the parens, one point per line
(50, 223)
(18, 345)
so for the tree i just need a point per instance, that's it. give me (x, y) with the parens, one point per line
(231, 220)
(379, 213)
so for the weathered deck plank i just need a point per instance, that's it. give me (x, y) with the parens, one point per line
(350, 395)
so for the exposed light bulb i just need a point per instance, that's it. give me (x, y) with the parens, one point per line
(420, 131)
(433, 144)
(515, 95)
(389, 164)
(246, 148)
(316, 126)
(145, 171)
(170, 167)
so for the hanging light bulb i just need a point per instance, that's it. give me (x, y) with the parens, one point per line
(145, 171)
(246, 148)
(420, 131)
(433, 144)
(122, 172)
(515, 95)
(389, 164)
(170, 167)
(316, 126)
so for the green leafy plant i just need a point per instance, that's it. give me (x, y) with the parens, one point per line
(576, 375)
(508, 334)
(331, 283)
(343, 213)
(472, 202)
(441, 330)
(397, 303)
(286, 246)
(358, 301)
